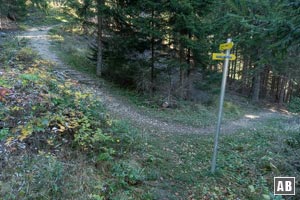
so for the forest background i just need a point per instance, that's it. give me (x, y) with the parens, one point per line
(165, 47)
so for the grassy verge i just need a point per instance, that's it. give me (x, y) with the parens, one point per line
(50, 16)
(56, 139)
(72, 48)
(187, 113)
(178, 167)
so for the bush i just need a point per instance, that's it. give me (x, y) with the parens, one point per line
(231, 108)
(294, 105)
(128, 173)
(25, 55)
(61, 135)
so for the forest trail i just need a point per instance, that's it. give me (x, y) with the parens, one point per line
(40, 41)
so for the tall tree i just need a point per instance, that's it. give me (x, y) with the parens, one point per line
(99, 69)
(250, 24)
(86, 11)
(187, 36)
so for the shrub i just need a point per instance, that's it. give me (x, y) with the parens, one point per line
(26, 55)
(294, 105)
(3, 133)
(128, 173)
(231, 108)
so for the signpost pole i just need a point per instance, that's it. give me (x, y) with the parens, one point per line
(223, 86)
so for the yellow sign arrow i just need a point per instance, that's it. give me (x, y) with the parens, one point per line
(226, 46)
(222, 56)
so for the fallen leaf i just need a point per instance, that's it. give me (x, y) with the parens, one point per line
(251, 187)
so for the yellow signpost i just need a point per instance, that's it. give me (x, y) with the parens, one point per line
(222, 56)
(226, 46)
(226, 57)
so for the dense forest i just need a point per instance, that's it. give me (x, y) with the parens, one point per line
(167, 45)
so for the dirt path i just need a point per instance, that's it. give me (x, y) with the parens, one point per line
(40, 41)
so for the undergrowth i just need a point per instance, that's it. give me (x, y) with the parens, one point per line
(72, 47)
(42, 17)
(183, 112)
(248, 160)
(294, 105)
(58, 136)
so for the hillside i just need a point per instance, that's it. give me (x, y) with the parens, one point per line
(68, 134)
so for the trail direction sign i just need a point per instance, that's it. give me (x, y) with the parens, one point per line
(222, 56)
(226, 57)
(226, 46)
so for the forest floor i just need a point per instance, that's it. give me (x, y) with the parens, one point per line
(41, 42)
(174, 157)
(154, 158)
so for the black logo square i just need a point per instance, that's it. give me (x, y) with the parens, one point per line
(284, 185)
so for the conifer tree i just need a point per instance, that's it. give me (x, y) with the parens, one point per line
(99, 67)
(187, 35)
(265, 33)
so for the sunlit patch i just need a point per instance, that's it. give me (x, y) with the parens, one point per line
(252, 116)
(57, 37)
(33, 36)
(61, 19)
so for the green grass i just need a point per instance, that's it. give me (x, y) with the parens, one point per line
(72, 48)
(61, 142)
(45, 176)
(187, 113)
(36, 17)
(294, 105)
(179, 166)
(4, 133)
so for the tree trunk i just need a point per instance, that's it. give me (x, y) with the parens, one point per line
(229, 74)
(99, 68)
(235, 64)
(290, 91)
(256, 87)
(240, 68)
(188, 74)
(273, 88)
(278, 79)
(181, 72)
(281, 91)
(189, 70)
(264, 83)
(152, 55)
(244, 78)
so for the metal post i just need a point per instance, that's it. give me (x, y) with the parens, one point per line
(223, 86)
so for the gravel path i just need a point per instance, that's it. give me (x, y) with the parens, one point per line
(40, 41)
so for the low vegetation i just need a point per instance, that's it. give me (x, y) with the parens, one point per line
(294, 105)
(72, 47)
(247, 162)
(55, 132)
